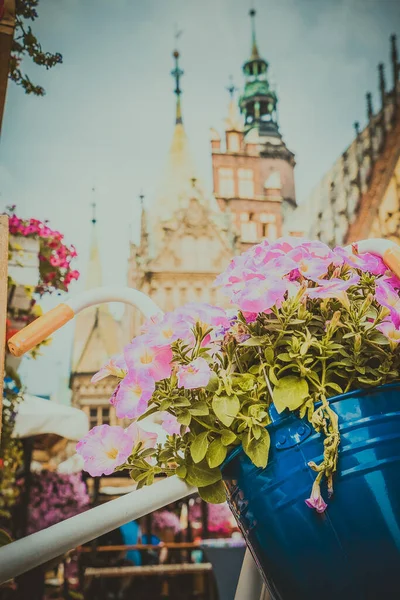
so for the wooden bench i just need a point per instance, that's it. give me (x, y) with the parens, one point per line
(124, 571)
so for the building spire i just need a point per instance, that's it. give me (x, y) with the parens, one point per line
(233, 121)
(94, 274)
(143, 226)
(177, 74)
(94, 220)
(254, 49)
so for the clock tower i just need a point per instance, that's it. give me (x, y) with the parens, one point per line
(253, 170)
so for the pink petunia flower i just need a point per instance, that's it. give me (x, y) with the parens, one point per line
(154, 361)
(390, 331)
(365, 261)
(154, 320)
(316, 501)
(387, 296)
(170, 423)
(201, 312)
(116, 366)
(170, 328)
(194, 375)
(104, 448)
(309, 265)
(137, 434)
(133, 394)
(332, 288)
(393, 280)
(260, 295)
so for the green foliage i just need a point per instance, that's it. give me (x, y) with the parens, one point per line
(26, 44)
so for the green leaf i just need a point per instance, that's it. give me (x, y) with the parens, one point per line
(148, 452)
(6, 539)
(227, 437)
(199, 446)
(213, 384)
(285, 357)
(269, 356)
(334, 386)
(255, 341)
(256, 430)
(215, 493)
(201, 475)
(184, 418)
(246, 381)
(272, 376)
(290, 393)
(182, 401)
(257, 450)
(226, 408)
(200, 409)
(379, 338)
(216, 453)
(181, 471)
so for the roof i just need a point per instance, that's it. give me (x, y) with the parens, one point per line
(98, 334)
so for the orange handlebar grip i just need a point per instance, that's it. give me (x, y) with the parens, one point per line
(40, 329)
(391, 258)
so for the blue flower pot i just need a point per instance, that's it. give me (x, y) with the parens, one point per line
(352, 551)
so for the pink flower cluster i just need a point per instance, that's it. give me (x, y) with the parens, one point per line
(166, 519)
(54, 497)
(220, 519)
(264, 276)
(146, 361)
(55, 257)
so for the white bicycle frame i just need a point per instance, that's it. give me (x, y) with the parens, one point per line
(25, 554)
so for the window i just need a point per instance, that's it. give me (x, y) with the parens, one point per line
(244, 217)
(246, 183)
(93, 417)
(233, 142)
(99, 416)
(105, 416)
(249, 230)
(226, 183)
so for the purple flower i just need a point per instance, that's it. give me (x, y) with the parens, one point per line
(261, 295)
(365, 261)
(137, 434)
(200, 312)
(133, 394)
(170, 328)
(390, 331)
(194, 375)
(387, 296)
(115, 366)
(152, 361)
(316, 501)
(332, 288)
(104, 448)
(170, 423)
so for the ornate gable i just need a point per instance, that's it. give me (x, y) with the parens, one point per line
(192, 243)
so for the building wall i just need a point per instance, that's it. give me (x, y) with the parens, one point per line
(94, 399)
(333, 206)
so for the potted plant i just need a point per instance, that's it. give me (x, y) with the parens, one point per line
(256, 401)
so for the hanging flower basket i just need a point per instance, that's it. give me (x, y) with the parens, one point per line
(43, 254)
(287, 406)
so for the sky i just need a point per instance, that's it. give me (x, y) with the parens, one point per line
(106, 121)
